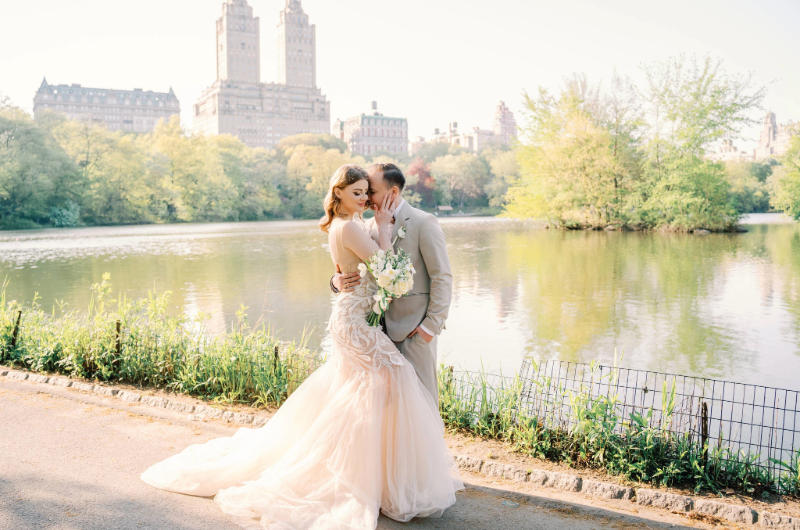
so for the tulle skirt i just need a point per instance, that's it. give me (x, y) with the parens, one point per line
(359, 436)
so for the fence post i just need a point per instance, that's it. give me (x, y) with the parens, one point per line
(119, 339)
(704, 434)
(275, 360)
(15, 334)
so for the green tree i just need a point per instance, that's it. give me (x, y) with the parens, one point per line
(35, 173)
(748, 186)
(691, 105)
(460, 177)
(570, 172)
(785, 182)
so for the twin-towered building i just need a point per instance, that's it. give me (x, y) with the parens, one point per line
(238, 103)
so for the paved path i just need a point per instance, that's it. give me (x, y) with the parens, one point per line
(72, 461)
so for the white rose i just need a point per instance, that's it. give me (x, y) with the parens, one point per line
(384, 281)
(402, 232)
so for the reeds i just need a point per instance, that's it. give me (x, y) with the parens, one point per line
(136, 342)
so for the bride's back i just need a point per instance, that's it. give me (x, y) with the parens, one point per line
(342, 256)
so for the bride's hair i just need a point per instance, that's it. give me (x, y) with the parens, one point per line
(343, 177)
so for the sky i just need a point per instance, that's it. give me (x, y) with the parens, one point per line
(430, 61)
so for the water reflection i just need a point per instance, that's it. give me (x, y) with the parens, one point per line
(723, 306)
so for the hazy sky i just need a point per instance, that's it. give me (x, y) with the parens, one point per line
(431, 61)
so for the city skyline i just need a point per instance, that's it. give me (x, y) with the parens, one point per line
(481, 53)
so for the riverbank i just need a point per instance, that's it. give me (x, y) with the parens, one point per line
(135, 342)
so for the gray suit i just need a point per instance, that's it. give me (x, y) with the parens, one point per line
(428, 302)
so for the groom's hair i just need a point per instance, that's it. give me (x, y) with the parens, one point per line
(391, 175)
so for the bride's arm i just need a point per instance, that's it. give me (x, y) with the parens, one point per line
(360, 243)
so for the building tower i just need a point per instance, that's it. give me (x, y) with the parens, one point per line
(297, 45)
(238, 44)
(505, 126)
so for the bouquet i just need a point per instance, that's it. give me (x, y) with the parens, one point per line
(394, 274)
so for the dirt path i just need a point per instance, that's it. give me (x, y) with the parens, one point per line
(72, 461)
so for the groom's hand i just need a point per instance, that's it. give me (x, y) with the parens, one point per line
(425, 336)
(345, 283)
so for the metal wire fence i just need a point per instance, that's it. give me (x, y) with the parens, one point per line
(755, 420)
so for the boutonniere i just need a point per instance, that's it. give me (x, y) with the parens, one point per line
(401, 233)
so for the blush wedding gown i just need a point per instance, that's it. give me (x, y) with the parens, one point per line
(359, 436)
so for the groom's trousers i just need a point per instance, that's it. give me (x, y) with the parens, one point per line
(422, 356)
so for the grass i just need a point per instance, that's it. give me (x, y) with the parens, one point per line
(136, 342)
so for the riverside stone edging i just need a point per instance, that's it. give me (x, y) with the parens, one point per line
(550, 479)
(201, 412)
(734, 513)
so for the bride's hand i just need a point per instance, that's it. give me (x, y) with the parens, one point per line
(385, 212)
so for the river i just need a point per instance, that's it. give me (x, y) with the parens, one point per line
(721, 305)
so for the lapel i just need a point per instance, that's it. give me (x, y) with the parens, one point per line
(401, 221)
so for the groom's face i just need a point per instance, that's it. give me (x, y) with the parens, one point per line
(378, 189)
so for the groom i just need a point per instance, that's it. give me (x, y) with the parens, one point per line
(413, 322)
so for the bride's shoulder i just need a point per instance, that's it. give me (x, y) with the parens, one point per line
(350, 227)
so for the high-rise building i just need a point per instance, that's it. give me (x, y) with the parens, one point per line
(368, 134)
(774, 140)
(297, 48)
(505, 126)
(238, 103)
(120, 110)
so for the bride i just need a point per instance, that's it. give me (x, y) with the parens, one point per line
(361, 435)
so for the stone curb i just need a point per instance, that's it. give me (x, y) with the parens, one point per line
(549, 479)
(773, 520)
(734, 513)
(201, 412)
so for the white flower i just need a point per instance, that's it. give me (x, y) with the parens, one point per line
(376, 308)
(362, 269)
(384, 280)
(381, 254)
(402, 232)
(233, 359)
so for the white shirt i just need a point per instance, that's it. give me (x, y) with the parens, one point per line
(399, 207)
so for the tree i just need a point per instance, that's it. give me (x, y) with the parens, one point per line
(35, 174)
(785, 182)
(424, 184)
(748, 187)
(505, 171)
(570, 172)
(691, 105)
(459, 177)
(325, 141)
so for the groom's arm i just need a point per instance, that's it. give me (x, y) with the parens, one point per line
(434, 253)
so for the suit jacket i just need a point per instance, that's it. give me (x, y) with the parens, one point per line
(428, 303)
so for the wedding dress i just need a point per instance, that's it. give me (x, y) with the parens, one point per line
(359, 436)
